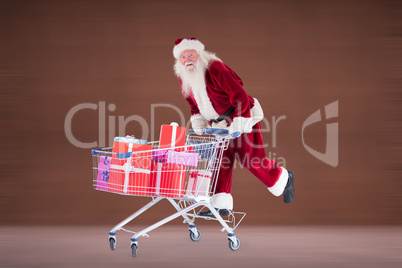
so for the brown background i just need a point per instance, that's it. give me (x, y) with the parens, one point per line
(294, 56)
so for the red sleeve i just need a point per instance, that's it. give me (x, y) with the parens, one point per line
(193, 106)
(190, 100)
(232, 85)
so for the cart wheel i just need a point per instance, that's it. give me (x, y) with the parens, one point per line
(112, 242)
(232, 246)
(134, 248)
(193, 237)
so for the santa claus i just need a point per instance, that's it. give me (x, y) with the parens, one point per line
(217, 99)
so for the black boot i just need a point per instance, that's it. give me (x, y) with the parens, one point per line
(222, 212)
(289, 192)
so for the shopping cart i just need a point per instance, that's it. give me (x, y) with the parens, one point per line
(187, 186)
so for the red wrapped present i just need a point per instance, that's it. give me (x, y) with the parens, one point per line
(131, 175)
(124, 145)
(167, 179)
(172, 136)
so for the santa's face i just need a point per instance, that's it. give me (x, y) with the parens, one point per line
(188, 59)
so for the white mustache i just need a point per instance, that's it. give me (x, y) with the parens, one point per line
(189, 64)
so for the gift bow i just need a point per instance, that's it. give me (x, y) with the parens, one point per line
(196, 175)
(127, 168)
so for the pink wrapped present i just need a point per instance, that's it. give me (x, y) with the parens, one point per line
(162, 155)
(103, 173)
(183, 158)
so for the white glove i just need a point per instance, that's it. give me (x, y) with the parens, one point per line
(240, 125)
(198, 123)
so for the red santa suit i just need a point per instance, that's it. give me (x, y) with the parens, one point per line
(224, 88)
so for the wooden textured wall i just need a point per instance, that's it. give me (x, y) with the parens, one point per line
(296, 57)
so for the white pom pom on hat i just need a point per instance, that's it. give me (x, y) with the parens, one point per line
(183, 44)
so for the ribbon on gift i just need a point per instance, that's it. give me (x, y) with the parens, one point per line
(172, 136)
(168, 179)
(127, 168)
(200, 183)
(194, 175)
(174, 131)
(158, 178)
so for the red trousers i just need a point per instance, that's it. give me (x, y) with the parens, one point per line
(249, 151)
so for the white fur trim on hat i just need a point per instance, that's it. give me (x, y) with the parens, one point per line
(222, 201)
(280, 185)
(187, 44)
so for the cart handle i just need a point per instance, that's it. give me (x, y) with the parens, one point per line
(124, 155)
(217, 131)
(97, 151)
(211, 131)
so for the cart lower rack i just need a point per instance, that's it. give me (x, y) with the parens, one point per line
(185, 175)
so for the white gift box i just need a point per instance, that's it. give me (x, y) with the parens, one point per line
(198, 183)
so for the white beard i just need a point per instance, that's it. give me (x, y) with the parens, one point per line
(193, 82)
(192, 79)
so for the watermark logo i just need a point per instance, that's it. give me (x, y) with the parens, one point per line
(330, 156)
(111, 125)
(107, 123)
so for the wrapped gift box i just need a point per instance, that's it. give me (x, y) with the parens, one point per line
(162, 155)
(130, 139)
(172, 136)
(198, 183)
(126, 144)
(182, 158)
(131, 175)
(167, 179)
(103, 173)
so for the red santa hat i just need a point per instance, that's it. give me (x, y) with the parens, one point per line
(182, 44)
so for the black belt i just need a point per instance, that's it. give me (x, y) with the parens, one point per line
(225, 115)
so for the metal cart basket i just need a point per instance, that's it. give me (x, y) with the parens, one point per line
(188, 186)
